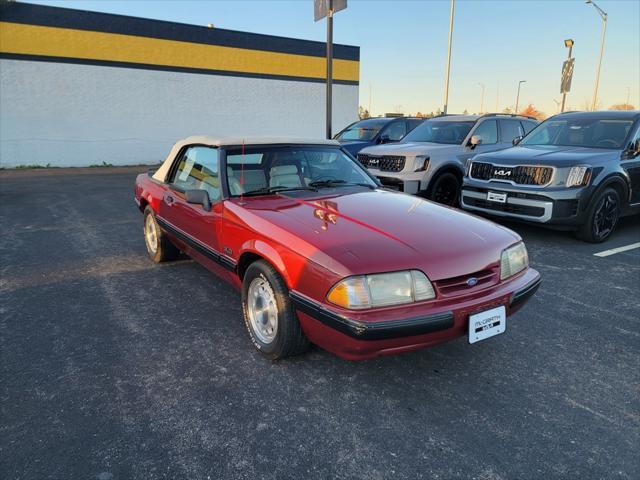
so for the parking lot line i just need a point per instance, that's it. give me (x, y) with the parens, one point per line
(613, 251)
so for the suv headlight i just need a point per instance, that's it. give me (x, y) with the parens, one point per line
(421, 163)
(467, 166)
(381, 289)
(579, 176)
(513, 260)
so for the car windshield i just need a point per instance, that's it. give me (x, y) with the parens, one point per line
(434, 131)
(268, 170)
(580, 132)
(363, 130)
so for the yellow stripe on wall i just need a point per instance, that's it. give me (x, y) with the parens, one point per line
(63, 42)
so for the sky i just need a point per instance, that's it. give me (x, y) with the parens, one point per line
(403, 46)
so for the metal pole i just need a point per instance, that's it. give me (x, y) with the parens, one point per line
(564, 95)
(628, 95)
(518, 96)
(446, 78)
(329, 66)
(482, 98)
(603, 16)
(497, 95)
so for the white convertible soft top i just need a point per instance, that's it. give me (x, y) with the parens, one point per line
(161, 173)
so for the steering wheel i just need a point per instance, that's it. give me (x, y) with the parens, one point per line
(607, 143)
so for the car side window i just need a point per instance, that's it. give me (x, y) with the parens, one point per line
(395, 131)
(510, 129)
(528, 126)
(197, 169)
(488, 131)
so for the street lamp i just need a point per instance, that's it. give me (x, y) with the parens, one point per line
(481, 85)
(518, 96)
(569, 44)
(446, 78)
(603, 16)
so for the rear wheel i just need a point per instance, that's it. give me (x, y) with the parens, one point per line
(602, 218)
(159, 248)
(269, 315)
(445, 189)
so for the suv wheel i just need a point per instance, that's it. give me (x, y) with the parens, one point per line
(602, 218)
(269, 315)
(445, 190)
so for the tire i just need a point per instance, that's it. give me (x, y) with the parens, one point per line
(602, 217)
(445, 189)
(159, 248)
(269, 315)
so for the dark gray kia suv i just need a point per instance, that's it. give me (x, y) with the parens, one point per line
(575, 171)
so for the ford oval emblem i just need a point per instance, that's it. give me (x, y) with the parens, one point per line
(472, 282)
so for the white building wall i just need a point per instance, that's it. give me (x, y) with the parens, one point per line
(79, 115)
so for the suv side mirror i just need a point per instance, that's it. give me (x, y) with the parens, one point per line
(198, 197)
(475, 141)
(633, 150)
(384, 139)
(517, 140)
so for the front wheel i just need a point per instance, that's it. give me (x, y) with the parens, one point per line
(269, 315)
(602, 217)
(445, 189)
(159, 247)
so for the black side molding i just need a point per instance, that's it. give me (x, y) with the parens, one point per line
(382, 330)
(196, 245)
(525, 293)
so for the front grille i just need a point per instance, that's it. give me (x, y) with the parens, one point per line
(515, 208)
(386, 163)
(458, 285)
(522, 174)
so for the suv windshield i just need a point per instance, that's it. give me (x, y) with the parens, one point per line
(438, 131)
(363, 130)
(267, 170)
(580, 132)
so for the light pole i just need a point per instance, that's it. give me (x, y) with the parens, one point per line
(557, 104)
(481, 85)
(569, 44)
(518, 96)
(446, 78)
(603, 16)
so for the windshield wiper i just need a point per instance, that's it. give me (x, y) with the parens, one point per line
(337, 182)
(277, 189)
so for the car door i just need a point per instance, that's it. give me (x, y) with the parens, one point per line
(195, 227)
(631, 164)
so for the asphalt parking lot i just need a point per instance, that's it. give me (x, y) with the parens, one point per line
(115, 368)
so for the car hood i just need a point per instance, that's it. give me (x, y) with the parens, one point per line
(557, 156)
(411, 149)
(379, 231)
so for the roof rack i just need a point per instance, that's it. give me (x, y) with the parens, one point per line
(507, 115)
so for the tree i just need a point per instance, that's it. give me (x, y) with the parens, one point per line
(363, 113)
(531, 111)
(622, 106)
(466, 112)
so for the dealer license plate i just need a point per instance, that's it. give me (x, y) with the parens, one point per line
(497, 197)
(487, 324)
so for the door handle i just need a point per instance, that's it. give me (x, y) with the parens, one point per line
(168, 199)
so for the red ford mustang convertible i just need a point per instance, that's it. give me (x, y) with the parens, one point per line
(323, 254)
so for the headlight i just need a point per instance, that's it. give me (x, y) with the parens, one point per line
(421, 163)
(467, 167)
(381, 289)
(513, 260)
(579, 176)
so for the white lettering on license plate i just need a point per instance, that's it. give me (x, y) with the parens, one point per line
(497, 197)
(487, 324)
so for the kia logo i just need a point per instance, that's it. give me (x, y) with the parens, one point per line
(472, 282)
(502, 173)
(374, 161)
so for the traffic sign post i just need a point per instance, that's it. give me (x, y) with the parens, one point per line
(321, 9)
(567, 74)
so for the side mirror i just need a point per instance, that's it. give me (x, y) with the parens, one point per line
(633, 150)
(198, 197)
(475, 141)
(517, 140)
(384, 139)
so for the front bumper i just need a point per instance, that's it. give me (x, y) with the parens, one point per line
(552, 206)
(407, 182)
(364, 335)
